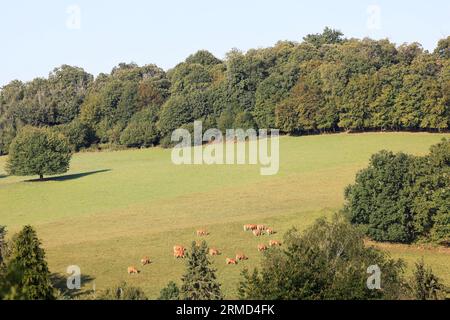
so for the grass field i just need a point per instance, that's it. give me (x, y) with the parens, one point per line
(112, 208)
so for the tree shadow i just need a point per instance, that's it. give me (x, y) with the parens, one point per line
(69, 176)
(2, 176)
(59, 281)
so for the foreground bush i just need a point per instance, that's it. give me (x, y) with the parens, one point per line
(122, 291)
(328, 261)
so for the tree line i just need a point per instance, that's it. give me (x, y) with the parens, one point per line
(325, 83)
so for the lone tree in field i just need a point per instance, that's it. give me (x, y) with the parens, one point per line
(27, 275)
(38, 151)
(199, 281)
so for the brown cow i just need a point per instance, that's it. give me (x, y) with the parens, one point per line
(145, 261)
(241, 256)
(273, 243)
(257, 233)
(231, 261)
(248, 227)
(270, 231)
(261, 227)
(262, 247)
(202, 232)
(213, 252)
(132, 270)
(178, 251)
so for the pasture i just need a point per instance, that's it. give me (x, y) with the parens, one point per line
(113, 208)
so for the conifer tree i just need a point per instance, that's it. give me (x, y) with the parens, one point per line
(199, 281)
(26, 269)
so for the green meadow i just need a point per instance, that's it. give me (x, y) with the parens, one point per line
(112, 208)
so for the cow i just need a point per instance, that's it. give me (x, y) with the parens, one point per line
(145, 261)
(248, 227)
(213, 252)
(230, 261)
(132, 270)
(262, 247)
(257, 233)
(273, 243)
(202, 232)
(178, 251)
(270, 231)
(261, 227)
(241, 256)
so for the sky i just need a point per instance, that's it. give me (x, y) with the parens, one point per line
(37, 36)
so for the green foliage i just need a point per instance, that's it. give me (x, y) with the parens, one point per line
(2, 244)
(328, 36)
(141, 130)
(79, 134)
(425, 285)
(38, 151)
(26, 275)
(328, 261)
(325, 83)
(122, 291)
(170, 292)
(199, 281)
(401, 198)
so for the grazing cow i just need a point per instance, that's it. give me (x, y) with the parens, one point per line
(270, 231)
(213, 252)
(273, 243)
(145, 261)
(262, 247)
(202, 232)
(231, 261)
(132, 270)
(248, 227)
(257, 233)
(261, 227)
(178, 251)
(241, 256)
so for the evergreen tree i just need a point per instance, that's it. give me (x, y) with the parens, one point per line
(170, 292)
(199, 281)
(26, 269)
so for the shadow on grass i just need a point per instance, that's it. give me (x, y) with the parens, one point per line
(3, 176)
(69, 176)
(59, 281)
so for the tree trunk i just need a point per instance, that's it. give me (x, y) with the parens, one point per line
(41, 177)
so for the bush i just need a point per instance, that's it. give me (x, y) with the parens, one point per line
(141, 130)
(79, 135)
(425, 285)
(328, 261)
(122, 291)
(170, 292)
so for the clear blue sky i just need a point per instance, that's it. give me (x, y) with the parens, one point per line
(35, 37)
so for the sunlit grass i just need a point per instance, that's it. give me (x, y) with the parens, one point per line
(112, 208)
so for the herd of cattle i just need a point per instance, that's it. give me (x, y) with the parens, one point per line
(257, 230)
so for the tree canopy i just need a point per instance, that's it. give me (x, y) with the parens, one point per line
(324, 83)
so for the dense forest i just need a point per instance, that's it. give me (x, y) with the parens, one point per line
(326, 83)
